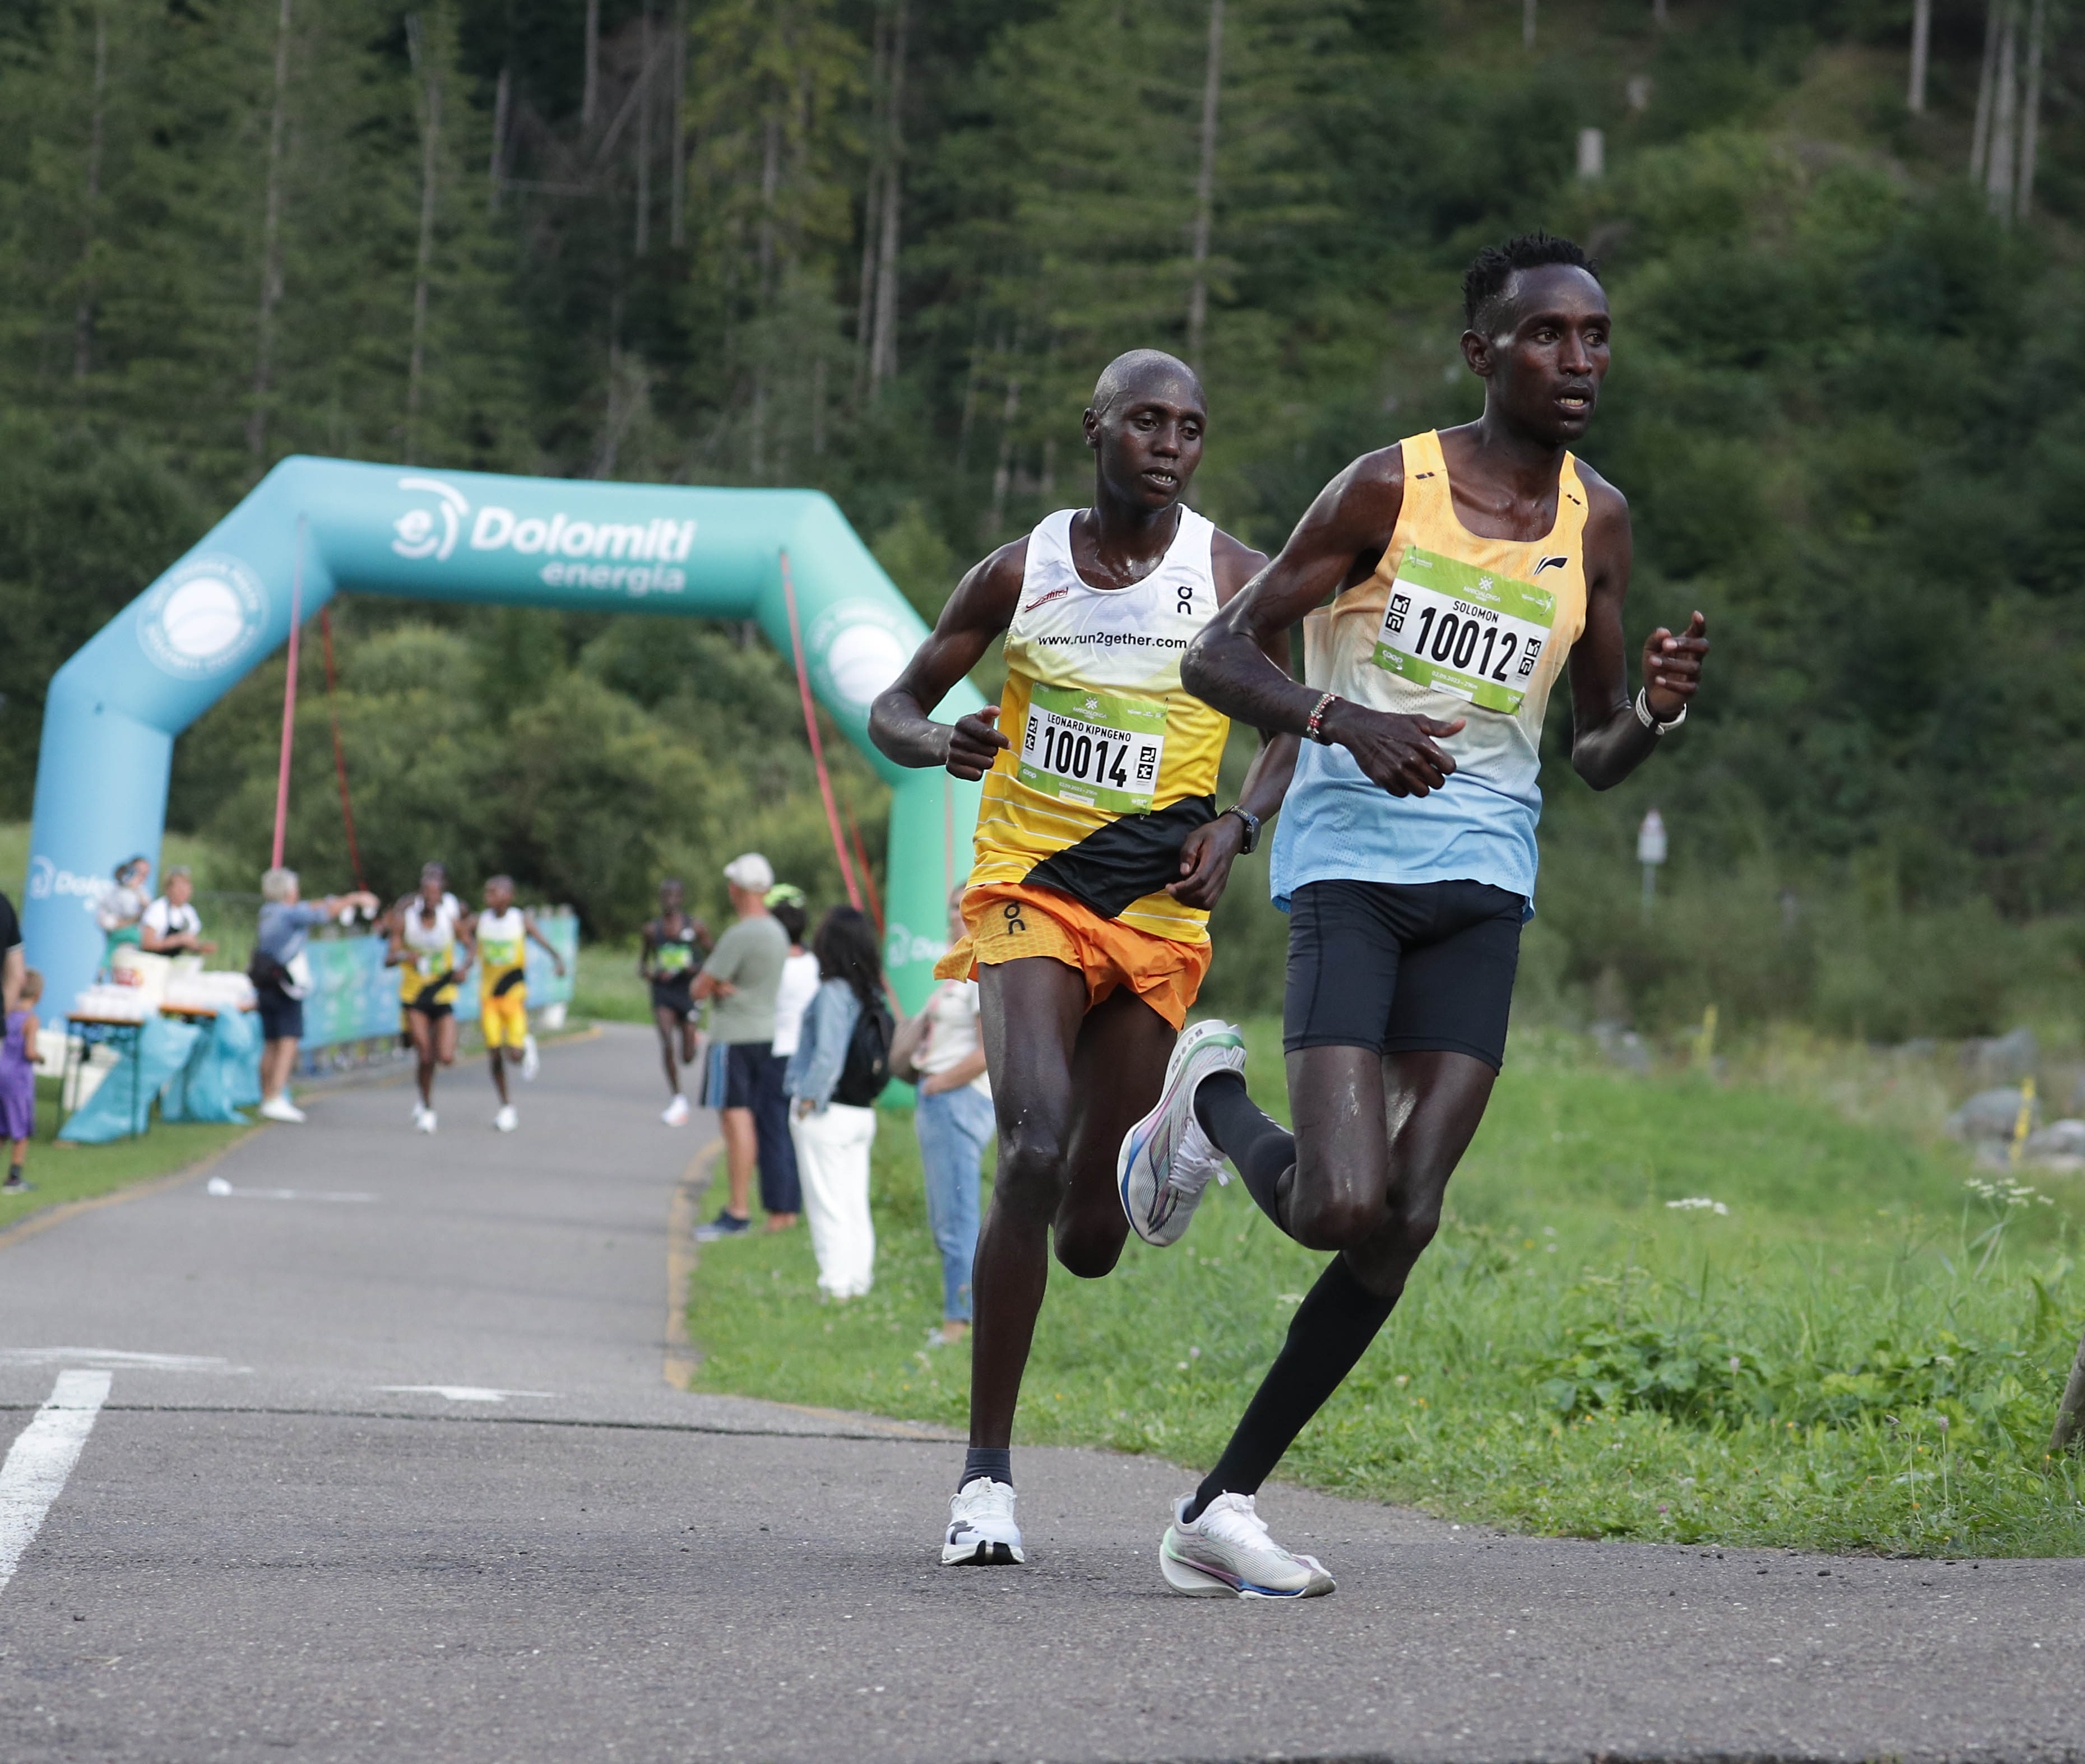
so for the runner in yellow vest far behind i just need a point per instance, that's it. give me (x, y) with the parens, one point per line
(430, 940)
(502, 931)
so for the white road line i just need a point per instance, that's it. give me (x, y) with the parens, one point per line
(462, 1393)
(216, 1186)
(41, 1459)
(112, 1357)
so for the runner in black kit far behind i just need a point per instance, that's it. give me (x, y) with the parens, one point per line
(667, 959)
(1442, 584)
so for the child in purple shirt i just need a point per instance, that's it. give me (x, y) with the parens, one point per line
(18, 1083)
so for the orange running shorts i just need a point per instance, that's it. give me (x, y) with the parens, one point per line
(1009, 921)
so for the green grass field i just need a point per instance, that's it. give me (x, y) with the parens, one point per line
(608, 987)
(1833, 1362)
(76, 1172)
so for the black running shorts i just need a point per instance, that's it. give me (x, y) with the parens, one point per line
(676, 995)
(1401, 967)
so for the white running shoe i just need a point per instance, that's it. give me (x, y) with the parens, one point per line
(281, 1108)
(982, 1533)
(1226, 1553)
(425, 1121)
(531, 1062)
(676, 1112)
(506, 1121)
(1167, 1160)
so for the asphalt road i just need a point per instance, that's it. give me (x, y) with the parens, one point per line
(420, 1490)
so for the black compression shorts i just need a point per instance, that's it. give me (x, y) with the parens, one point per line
(676, 995)
(1401, 967)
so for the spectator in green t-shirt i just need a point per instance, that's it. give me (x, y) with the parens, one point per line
(741, 977)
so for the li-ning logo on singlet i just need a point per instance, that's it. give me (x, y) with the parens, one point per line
(1551, 563)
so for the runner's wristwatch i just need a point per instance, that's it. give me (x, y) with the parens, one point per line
(1252, 824)
(1643, 715)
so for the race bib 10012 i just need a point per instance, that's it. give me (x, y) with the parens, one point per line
(1460, 629)
(1093, 749)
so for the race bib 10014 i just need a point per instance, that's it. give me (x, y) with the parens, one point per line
(1460, 629)
(1093, 749)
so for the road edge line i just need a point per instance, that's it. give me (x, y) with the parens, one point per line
(682, 1213)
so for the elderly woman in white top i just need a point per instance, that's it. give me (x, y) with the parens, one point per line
(942, 1050)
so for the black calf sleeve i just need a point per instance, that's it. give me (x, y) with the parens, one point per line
(1331, 1330)
(1261, 1147)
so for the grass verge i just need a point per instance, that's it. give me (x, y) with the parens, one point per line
(608, 987)
(63, 1173)
(1845, 1358)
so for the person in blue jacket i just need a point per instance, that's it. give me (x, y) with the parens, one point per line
(832, 1082)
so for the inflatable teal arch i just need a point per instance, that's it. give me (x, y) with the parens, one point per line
(323, 526)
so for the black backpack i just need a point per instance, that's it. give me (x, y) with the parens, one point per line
(867, 1068)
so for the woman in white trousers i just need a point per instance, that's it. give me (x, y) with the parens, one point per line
(832, 1082)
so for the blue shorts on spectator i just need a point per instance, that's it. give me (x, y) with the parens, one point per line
(746, 1074)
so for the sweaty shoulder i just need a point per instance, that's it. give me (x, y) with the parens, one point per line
(987, 597)
(1359, 510)
(1606, 517)
(1234, 563)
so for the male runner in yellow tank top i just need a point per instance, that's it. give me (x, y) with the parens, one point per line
(1099, 853)
(1442, 584)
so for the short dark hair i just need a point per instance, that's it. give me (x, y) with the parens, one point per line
(845, 947)
(791, 917)
(1485, 282)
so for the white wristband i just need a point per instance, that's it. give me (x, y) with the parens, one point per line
(1643, 714)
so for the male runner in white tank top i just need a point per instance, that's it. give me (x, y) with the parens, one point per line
(1099, 853)
(1442, 583)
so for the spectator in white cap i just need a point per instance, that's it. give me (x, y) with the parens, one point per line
(742, 976)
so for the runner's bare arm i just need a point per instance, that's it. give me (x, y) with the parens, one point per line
(644, 953)
(1607, 740)
(1207, 853)
(1337, 544)
(900, 722)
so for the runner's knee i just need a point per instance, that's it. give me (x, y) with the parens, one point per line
(1340, 1221)
(1030, 1175)
(1091, 1248)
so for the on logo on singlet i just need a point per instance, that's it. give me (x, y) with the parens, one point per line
(1459, 630)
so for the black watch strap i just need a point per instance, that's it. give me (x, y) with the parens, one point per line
(1252, 824)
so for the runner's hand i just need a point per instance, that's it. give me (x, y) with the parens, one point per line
(1672, 667)
(1395, 751)
(974, 743)
(1205, 862)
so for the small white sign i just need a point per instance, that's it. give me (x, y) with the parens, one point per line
(1650, 839)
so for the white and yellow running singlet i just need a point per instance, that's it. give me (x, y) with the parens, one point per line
(1113, 762)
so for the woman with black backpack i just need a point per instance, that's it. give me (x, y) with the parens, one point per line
(840, 1066)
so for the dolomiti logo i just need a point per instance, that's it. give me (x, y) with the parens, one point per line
(636, 559)
(430, 533)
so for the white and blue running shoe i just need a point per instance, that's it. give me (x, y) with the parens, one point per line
(1226, 1553)
(1167, 1160)
(981, 1531)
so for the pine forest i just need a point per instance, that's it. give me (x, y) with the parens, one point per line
(882, 247)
